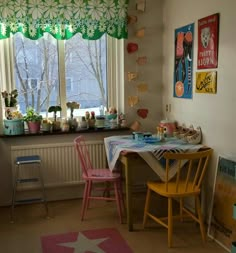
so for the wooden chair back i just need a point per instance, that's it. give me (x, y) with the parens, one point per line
(191, 168)
(83, 154)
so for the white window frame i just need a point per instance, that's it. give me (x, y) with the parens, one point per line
(115, 73)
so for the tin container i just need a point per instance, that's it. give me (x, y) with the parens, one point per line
(13, 127)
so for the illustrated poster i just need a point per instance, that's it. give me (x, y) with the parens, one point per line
(206, 82)
(183, 69)
(222, 225)
(208, 33)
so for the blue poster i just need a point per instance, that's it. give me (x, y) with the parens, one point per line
(183, 69)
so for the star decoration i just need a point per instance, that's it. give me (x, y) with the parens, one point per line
(84, 244)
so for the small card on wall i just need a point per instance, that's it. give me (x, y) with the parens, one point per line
(132, 100)
(142, 87)
(206, 82)
(141, 60)
(132, 76)
(141, 5)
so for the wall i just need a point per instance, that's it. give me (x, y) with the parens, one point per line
(215, 114)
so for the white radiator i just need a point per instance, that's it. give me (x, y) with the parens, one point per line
(60, 164)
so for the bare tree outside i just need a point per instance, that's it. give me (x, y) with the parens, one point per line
(37, 72)
(86, 61)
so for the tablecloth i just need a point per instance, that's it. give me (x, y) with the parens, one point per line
(152, 153)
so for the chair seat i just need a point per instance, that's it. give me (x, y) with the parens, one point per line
(160, 188)
(101, 174)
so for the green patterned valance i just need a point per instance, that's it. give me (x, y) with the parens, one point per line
(64, 18)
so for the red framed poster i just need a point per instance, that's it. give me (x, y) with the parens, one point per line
(208, 33)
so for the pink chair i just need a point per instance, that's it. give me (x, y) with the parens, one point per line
(112, 180)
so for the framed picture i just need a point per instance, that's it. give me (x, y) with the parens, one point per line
(183, 66)
(222, 225)
(206, 82)
(208, 33)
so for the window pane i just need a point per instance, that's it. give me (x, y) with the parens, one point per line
(86, 77)
(36, 72)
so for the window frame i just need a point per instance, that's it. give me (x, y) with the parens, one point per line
(115, 73)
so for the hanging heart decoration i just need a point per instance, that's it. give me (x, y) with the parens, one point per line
(141, 60)
(132, 47)
(132, 19)
(142, 113)
(140, 33)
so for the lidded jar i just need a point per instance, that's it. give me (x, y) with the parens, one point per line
(168, 126)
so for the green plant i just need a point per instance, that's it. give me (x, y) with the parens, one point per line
(55, 109)
(32, 115)
(10, 98)
(72, 106)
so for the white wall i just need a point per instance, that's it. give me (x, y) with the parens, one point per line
(215, 114)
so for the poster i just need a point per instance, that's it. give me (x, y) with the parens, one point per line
(206, 82)
(222, 225)
(183, 74)
(208, 30)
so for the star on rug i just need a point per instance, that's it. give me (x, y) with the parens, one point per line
(106, 240)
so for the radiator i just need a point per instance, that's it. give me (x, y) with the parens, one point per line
(60, 164)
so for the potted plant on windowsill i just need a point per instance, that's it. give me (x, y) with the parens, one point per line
(33, 120)
(56, 125)
(72, 121)
(13, 122)
(10, 102)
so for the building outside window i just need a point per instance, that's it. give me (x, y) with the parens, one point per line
(52, 72)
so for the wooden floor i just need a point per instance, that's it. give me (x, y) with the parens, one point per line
(30, 223)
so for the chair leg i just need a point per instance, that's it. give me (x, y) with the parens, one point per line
(181, 204)
(90, 185)
(43, 191)
(14, 193)
(170, 222)
(118, 200)
(85, 196)
(146, 207)
(199, 212)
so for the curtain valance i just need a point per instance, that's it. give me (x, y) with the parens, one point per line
(64, 18)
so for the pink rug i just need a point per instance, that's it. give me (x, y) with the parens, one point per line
(107, 240)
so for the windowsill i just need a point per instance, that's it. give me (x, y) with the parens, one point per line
(27, 134)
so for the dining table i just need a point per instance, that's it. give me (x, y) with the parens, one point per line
(123, 148)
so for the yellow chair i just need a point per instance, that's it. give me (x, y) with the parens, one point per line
(186, 183)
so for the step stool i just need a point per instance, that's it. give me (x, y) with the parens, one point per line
(25, 161)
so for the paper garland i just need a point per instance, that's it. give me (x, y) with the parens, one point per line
(132, 76)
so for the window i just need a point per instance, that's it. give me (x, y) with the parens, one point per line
(93, 78)
(69, 85)
(36, 72)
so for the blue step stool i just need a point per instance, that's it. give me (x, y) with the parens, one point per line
(27, 161)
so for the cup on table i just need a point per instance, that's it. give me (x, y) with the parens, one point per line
(138, 136)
